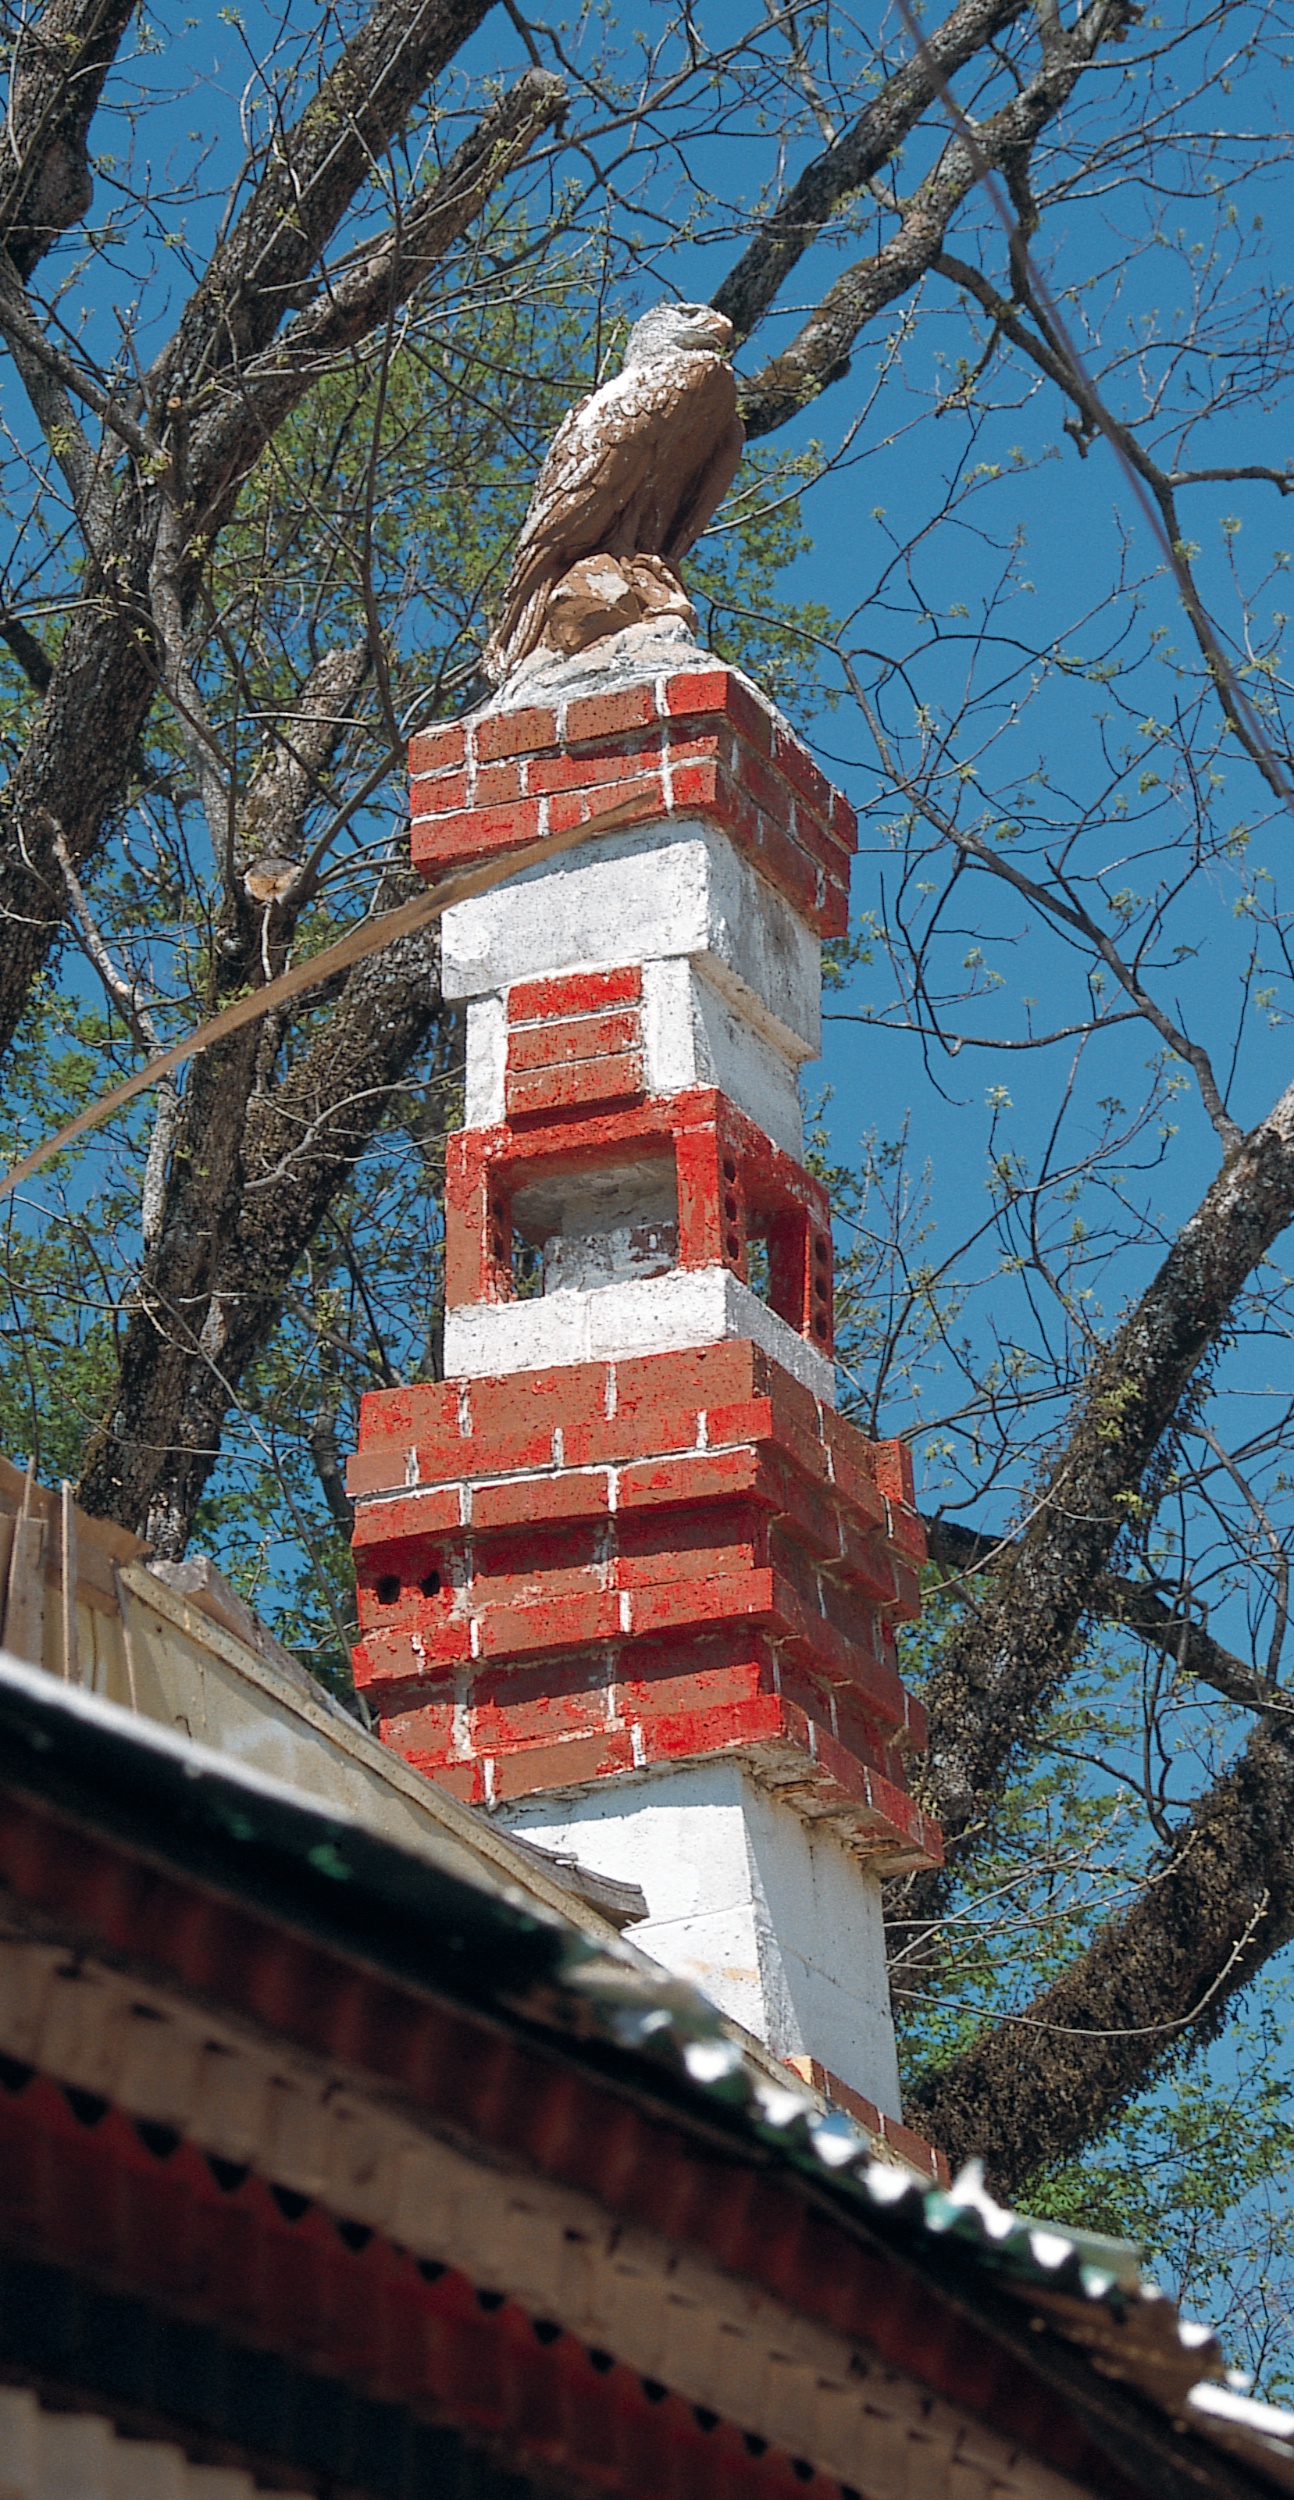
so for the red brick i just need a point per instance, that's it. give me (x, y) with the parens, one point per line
(731, 1727)
(675, 1549)
(400, 1414)
(565, 1622)
(763, 784)
(513, 733)
(892, 1462)
(567, 1038)
(700, 1476)
(795, 1407)
(414, 1515)
(562, 1766)
(573, 993)
(695, 786)
(574, 1494)
(832, 919)
(597, 768)
(464, 1780)
(544, 1718)
(804, 1510)
(866, 1564)
(907, 1535)
(741, 1596)
(815, 840)
(500, 1402)
(547, 1091)
(741, 1419)
(513, 1419)
(781, 858)
(516, 1568)
(851, 1472)
(702, 1688)
(438, 750)
(382, 1469)
(607, 715)
(844, 821)
(642, 798)
(497, 785)
(907, 1604)
(689, 695)
(914, 2149)
(841, 2095)
(916, 1725)
(439, 795)
(631, 1435)
(403, 1654)
(792, 758)
(702, 1376)
(685, 743)
(440, 843)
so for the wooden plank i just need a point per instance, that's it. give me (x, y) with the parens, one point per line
(24, 1622)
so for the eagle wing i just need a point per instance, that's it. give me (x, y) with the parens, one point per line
(645, 422)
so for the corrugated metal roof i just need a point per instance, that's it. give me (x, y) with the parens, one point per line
(488, 1943)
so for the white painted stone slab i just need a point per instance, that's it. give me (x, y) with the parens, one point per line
(766, 1913)
(679, 888)
(643, 1315)
(487, 1054)
(693, 1035)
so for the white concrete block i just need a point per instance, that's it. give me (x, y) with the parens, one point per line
(766, 1913)
(641, 1315)
(487, 1055)
(693, 1035)
(676, 888)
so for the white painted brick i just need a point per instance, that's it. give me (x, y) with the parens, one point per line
(766, 1913)
(664, 889)
(645, 1315)
(692, 1035)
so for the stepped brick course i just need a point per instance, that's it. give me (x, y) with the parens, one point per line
(571, 1573)
(698, 744)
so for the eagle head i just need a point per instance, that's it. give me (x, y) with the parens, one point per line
(669, 328)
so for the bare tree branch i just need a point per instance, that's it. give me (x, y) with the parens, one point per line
(1137, 1605)
(239, 1217)
(1050, 357)
(75, 764)
(1003, 1664)
(1053, 2076)
(1064, 907)
(392, 268)
(820, 353)
(851, 162)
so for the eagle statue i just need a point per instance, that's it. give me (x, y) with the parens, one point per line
(632, 477)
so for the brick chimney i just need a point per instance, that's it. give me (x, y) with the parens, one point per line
(626, 1578)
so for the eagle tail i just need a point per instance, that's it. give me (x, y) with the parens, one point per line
(516, 635)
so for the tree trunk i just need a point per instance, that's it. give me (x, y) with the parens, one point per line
(1038, 2086)
(256, 1171)
(1010, 1655)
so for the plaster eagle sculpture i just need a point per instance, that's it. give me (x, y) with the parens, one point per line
(635, 470)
